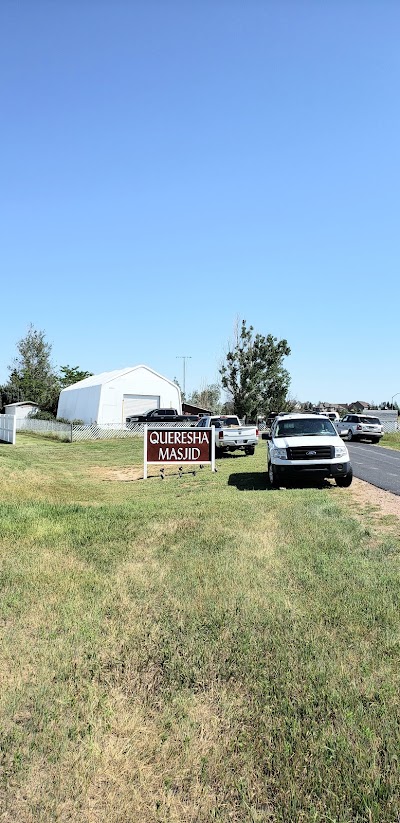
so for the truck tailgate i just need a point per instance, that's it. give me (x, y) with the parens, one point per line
(239, 434)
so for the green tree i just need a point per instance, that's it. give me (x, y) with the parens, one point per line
(71, 374)
(208, 397)
(254, 375)
(32, 376)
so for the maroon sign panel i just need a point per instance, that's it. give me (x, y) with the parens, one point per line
(179, 446)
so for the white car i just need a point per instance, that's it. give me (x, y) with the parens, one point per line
(300, 445)
(360, 426)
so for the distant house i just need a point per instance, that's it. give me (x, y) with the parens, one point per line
(189, 408)
(21, 409)
(359, 406)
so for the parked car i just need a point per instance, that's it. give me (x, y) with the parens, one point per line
(303, 445)
(360, 426)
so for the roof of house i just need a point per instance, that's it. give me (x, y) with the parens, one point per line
(23, 403)
(191, 409)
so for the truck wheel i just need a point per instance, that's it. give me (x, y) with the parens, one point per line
(249, 450)
(272, 476)
(350, 435)
(345, 481)
(218, 452)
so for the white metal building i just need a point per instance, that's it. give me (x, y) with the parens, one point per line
(21, 409)
(110, 397)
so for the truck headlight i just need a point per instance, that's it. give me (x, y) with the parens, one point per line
(281, 454)
(340, 451)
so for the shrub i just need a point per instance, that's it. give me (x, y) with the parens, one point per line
(75, 422)
(41, 415)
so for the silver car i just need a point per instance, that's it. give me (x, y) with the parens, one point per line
(360, 426)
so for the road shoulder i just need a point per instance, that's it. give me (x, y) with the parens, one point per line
(367, 495)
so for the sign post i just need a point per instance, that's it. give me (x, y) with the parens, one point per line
(181, 447)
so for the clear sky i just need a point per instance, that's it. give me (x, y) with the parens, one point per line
(169, 166)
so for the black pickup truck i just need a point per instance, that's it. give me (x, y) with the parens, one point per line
(162, 416)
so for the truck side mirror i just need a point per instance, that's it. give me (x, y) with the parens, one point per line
(266, 436)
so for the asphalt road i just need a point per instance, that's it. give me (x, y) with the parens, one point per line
(376, 465)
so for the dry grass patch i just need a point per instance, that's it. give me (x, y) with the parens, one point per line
(128, 474)
(170, 766)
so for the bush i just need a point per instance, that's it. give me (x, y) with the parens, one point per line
(75, 422)
(41, 415)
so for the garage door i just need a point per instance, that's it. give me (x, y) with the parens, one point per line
(139, 403)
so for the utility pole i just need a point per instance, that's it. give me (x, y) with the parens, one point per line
(184, 357)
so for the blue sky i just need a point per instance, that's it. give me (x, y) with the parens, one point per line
(168, 167)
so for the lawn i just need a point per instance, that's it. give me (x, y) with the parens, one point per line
(195, 649)
(391, 440)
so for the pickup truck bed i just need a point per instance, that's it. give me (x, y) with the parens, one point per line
(230, 435)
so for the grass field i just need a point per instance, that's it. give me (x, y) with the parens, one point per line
(391, 440)
(196, 649)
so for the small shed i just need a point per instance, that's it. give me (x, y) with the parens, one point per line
(21, 409)
(110, 397)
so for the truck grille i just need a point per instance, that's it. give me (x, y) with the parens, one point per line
(311, 453)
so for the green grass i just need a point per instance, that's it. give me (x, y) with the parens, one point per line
(391, 440)
(192, 649)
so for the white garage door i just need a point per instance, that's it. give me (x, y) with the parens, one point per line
(139, 403)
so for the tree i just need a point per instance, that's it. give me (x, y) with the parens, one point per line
(208, 397)
(71, 374)
(31, 375)
(254, 375)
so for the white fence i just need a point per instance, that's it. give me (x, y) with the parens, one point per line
(7, 428)
(71, 432)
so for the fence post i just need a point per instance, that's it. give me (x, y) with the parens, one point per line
(71, 431)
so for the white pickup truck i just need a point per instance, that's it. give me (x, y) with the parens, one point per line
(230, 435)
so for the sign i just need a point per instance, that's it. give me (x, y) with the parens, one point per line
(166, 446)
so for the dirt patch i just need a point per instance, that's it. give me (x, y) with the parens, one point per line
(382, 501)
(126, 475)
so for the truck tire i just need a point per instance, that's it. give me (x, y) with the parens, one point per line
(345, 481)
(249, 450)
(350, 435)
(272, 476)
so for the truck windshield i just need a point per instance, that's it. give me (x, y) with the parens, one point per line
(311, 427)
